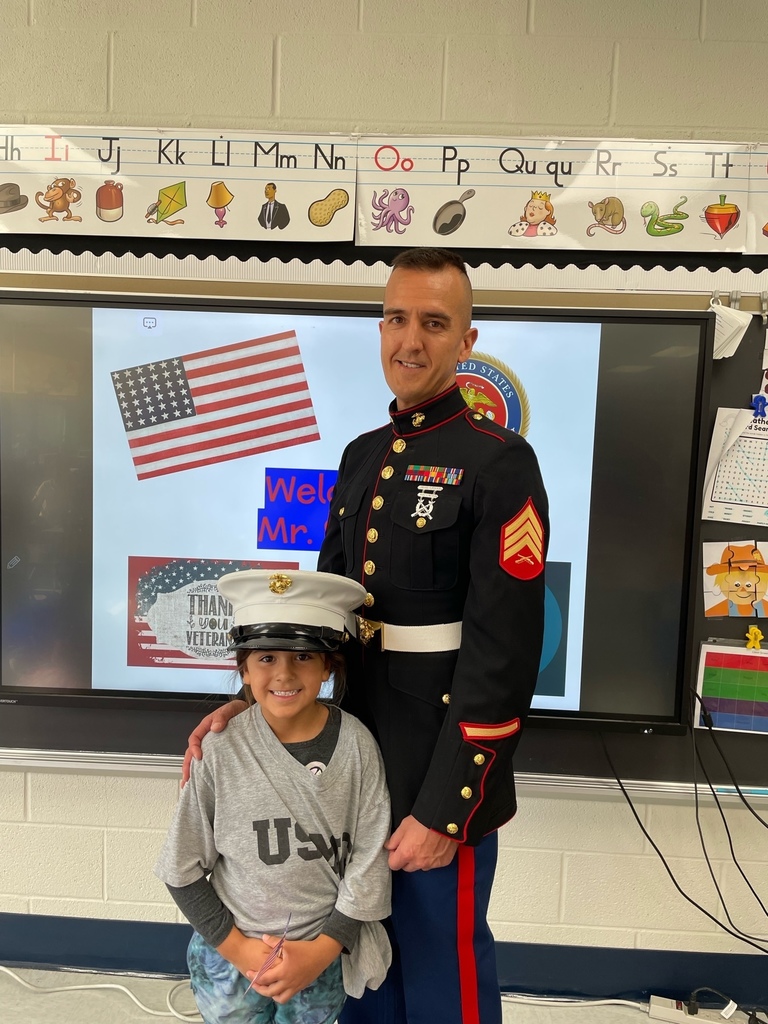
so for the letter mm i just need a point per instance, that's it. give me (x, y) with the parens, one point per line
(521, 549)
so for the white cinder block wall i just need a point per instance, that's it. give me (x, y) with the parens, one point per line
(572, 870)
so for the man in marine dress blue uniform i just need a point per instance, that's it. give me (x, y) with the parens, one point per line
(442, 516)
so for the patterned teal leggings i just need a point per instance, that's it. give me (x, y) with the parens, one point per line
(220, 993)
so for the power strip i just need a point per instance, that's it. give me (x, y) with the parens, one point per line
(675, 1011)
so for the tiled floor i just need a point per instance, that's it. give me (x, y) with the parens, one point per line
(20, 1006)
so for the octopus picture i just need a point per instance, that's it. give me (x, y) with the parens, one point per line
(393, 213)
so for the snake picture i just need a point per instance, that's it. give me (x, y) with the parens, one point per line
(659, 225)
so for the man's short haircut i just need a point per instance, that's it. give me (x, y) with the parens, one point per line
(429, 259)
(271, 184)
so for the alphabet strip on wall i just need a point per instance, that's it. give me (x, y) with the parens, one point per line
(191, 184)
(539, 193)
(467, 192)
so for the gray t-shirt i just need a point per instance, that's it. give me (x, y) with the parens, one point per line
(278, 839)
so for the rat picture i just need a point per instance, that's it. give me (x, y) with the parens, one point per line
(609, 215)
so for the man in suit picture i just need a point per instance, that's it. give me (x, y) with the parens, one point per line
(273, 214)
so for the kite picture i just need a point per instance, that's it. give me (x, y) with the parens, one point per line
(170, 200)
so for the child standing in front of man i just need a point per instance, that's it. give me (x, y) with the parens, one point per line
(283, 822)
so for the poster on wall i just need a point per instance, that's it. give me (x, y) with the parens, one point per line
(179, 183)
(540, 193)
(732, 684)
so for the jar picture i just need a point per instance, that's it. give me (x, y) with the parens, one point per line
(109, 201)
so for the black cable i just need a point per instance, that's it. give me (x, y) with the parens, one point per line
(749, 1012)
(702, 841)
(707, 717)
(692, 1003)
(644, 830)
(728, 832)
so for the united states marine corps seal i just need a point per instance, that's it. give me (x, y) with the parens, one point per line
(491, 388)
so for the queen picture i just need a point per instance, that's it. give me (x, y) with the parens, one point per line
(538, 217)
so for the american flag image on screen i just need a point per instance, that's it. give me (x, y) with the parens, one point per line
(224, 403)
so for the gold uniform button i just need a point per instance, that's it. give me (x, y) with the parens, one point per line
(368, 600)
(478, 416)
(372, 535)
(466, 793)
(446, 698)
(387, 472)
(377, 502)
(452, 829)
(369, 568)
(479, 758)
(399, 445)
(341, 511)
(421, 522)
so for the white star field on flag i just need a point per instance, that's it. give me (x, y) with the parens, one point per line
(153, 393)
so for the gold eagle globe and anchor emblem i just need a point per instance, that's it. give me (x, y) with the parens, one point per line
(279, 582)
(366, 629)
(492, 389)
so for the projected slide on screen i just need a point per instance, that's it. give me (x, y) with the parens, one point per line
(217, 437)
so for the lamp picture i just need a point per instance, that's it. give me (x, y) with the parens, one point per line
(219, 199)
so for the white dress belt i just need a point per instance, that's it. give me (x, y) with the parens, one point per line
(443, 636)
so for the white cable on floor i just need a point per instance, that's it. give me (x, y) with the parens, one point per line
(520, 997)
(196, 1019)
(507, 997)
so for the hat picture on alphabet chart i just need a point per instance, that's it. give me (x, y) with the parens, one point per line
(11, 198)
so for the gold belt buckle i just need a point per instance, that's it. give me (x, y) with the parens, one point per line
(366, 628)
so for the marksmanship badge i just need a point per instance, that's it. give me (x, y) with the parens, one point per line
(425, 500)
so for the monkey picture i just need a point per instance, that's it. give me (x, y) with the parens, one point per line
(609, 215)
(58, 198)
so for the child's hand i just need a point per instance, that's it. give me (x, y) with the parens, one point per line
(302, 962)
(246, 954)
(251, 956)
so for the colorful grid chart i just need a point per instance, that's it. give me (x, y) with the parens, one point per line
(733, 684)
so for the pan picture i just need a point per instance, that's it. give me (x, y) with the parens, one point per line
(450, 216)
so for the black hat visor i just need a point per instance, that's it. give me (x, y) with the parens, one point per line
(285, 636)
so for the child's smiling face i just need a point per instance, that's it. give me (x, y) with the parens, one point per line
(286, 685)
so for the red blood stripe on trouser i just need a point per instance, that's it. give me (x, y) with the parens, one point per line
(465, 932)
(433, 945)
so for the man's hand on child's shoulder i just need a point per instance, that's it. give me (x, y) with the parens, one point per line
(215, 722)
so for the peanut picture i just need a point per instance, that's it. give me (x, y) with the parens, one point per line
(321, 212)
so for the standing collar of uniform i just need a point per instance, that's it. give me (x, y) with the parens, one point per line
(427, 415)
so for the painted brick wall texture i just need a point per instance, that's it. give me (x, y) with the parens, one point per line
(572, 870)
(682, 69)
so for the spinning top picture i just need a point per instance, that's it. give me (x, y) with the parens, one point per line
(722, 216)
(450, 216)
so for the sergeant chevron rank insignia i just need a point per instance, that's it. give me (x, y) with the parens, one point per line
(521, 551)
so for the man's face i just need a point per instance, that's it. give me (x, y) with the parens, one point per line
(425, 332)
(269, 192)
